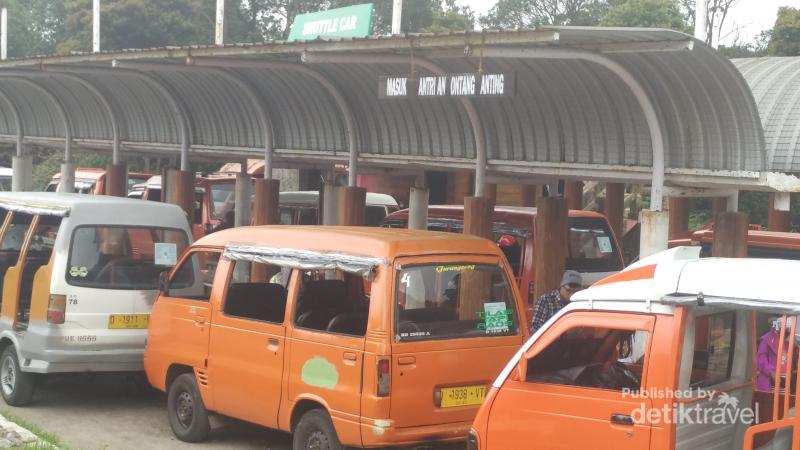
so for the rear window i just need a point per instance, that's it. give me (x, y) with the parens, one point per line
(222, 198)
(118, 257)
(591, 246)
(713, 349)
(453, 300)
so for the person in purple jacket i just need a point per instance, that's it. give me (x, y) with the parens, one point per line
(767, 356)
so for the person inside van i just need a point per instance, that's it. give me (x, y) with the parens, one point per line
(767, 356)
(550, 303)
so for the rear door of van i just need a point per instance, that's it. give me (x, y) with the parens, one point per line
(456, 323)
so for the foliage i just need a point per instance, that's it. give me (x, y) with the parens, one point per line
(35, 26)
(47, 162)
(785, 38)
(646, 13)
(532, 13)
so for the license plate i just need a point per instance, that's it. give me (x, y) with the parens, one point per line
(128, 321)
(462, 396)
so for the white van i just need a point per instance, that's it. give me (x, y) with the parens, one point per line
(80, 275)
(301, 207)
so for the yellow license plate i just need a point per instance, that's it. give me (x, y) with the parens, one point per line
(462, 396)
(128, 321)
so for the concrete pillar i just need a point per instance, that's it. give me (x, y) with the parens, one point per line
(550, 252)
(67, 182)
(730, 235)
(678, 216)
(22, 173)
(573, 192)
(418, 208)
(329, 200)
(352, 205)
(654, 232)
(459, 186)
(530, 192)
(116, 182)
(778, 219)
(615, 207)
(718, 205)
(478, 217)
(180, 190)
(242, 200)
(266, 208)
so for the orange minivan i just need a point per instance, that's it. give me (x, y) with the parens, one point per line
(343, 336)
(669, 354)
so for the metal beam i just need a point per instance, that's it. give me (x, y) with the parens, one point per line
(17, 121)
(166, 91)
(469, 107)
(656, 137)
(344, 108)
(50, 71)
(249, 91)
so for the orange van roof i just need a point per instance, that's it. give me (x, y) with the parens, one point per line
(364, 241)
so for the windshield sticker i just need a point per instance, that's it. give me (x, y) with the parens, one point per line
(166, 254)
(604, 243)
(406, 279)
(461, 268)
(496, 318)
(78, 271)
(318, 372)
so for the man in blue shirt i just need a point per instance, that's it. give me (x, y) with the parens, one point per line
(550, 303)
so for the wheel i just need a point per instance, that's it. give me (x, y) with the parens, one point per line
(15, 385)
(188, 417)
(315, 432)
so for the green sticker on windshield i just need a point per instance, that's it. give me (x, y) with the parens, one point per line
(496, 318)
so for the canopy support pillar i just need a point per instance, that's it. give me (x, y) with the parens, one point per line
(266, 210)
(242, 202)
(615, 207)
(654, 228)
(550, 252)
(21, 173)
(678, 216)
(779, 219)
(181, 191)
(116, 180)
(730, 235)
(352, 205)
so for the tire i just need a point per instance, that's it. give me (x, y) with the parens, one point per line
(188, 417)
(315, 432)
(16, 386)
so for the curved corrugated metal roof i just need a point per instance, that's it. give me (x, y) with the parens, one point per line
(775, 83)
(569, 118)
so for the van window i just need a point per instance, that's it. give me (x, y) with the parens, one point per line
(222, 198)
(713, 349)
(257, 292)
(332, 301)
(603, 358)
(373, 215)
(195, 276)
(454, 300)
(119, 257)
(591, 246)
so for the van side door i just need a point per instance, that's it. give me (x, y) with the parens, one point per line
(578, 386)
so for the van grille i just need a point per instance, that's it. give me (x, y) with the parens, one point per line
(202, 378)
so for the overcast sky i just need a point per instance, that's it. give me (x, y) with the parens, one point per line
(750, 17)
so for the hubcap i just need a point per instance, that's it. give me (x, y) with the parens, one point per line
(8, 375)
(185, 409)
(318, 441)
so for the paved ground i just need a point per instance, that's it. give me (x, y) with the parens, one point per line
(115, 412)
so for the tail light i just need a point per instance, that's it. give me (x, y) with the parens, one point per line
(56, 309)
(384, 377)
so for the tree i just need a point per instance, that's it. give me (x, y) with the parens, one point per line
(140, 23)
(646, 13)
(715, 19)
(785, 38)
(533, 13)
(35, 26)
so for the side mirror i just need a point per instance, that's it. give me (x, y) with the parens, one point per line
(163, 282)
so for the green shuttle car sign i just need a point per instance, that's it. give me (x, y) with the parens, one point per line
(352, 21)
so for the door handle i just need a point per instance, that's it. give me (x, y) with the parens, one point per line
(273, 341)
(622, 419)
(349, 356)
(406, 360)
(200, 320)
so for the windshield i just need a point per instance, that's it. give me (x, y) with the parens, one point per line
(119, 257)
(454, 300)
(591, 246)
(222, 198)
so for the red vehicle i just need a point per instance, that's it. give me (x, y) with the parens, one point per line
(593, 247)
(760, 244)
(92, 180)
(213, 196)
